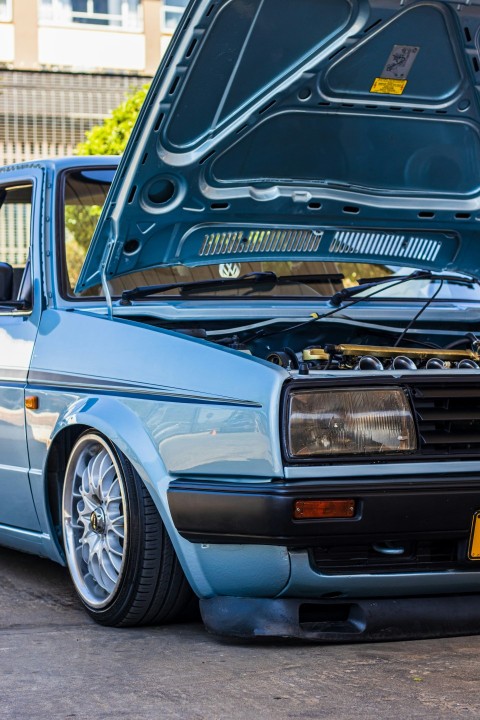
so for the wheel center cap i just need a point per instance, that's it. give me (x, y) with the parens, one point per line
(97, 521)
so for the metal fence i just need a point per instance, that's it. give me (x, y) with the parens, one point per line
(45, 114)
(126, 14)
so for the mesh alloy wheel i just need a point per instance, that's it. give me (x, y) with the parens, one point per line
(95, 527)
(122, 562)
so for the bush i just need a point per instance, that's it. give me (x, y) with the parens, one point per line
(110, 138)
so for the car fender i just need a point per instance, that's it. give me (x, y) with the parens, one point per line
(116, 421)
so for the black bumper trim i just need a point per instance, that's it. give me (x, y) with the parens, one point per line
(342, 621)
(241, 512)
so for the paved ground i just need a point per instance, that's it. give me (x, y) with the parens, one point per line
(56, 664)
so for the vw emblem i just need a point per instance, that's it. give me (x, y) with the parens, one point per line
(229, 270)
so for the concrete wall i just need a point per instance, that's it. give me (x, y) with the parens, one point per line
(87, 48)
(29, 44)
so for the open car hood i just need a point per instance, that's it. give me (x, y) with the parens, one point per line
(304, 129)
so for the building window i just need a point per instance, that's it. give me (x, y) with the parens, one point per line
(5, 10)
(172, 12)
(124, 14)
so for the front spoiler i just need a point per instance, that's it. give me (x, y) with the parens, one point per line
(342, 621)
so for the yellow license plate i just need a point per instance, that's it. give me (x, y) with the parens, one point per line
(474, 547)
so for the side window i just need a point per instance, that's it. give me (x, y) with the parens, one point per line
(15, 220)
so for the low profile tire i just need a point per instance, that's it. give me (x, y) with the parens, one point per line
(121, 560)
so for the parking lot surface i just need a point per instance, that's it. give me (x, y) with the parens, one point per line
(56, 663)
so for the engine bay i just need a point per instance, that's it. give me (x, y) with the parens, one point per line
(313, 345)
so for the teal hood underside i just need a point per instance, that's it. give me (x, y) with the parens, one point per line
(304, 129)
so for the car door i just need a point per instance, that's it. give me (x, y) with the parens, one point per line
(19, 215)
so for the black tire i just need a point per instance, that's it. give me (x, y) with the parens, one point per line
(150, 587)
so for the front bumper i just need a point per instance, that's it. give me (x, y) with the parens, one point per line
(387, 509)
(250, 549)
(356, 620)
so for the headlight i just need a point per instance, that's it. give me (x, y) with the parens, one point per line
(350, 422)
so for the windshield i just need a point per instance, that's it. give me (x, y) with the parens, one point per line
(84, 196)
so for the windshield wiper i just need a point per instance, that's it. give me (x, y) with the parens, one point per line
(268, 280)
(346, 293)
(315, 317)
(443, 276)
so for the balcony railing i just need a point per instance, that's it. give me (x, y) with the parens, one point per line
(124, 15)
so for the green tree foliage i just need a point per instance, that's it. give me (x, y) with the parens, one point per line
(80, 223)
(110, 138)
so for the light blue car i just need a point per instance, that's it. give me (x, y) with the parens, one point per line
(259, 382)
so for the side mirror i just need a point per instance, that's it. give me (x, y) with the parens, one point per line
(6, 282)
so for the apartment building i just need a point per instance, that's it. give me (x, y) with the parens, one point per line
(65, 64)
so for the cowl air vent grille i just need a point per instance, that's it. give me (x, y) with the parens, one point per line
(385, 244)
(260, 241)
(448, 420)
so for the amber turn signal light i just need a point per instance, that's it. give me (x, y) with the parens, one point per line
(31, 402)
(311, 509)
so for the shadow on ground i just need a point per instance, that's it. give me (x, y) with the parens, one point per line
(56, 663)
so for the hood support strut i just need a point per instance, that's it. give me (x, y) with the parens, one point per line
(103, 274)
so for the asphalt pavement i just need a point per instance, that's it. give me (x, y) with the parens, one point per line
(55, 663)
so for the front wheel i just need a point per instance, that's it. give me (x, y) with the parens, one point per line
(121, 560)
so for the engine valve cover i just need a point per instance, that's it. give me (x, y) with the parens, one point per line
(353, 357)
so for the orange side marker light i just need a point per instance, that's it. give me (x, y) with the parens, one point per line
(318, 509)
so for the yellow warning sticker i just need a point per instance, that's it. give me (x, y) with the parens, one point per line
(388, 86)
